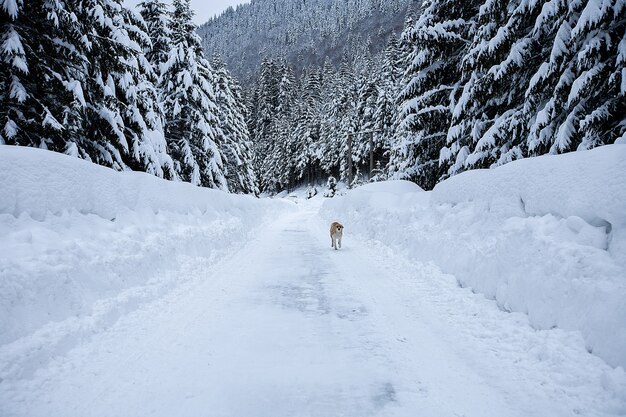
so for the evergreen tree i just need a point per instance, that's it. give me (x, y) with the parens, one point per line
(41, 74)
(282, 161)
(307, 128)
(576, 97)
(431, 81)
(147, 139)
(188, 96)
(236, 141)
(386, 108)
(330, 144)
(263, 122)
(489, 125)
(75, 81)
(364, 113)
(155, 14)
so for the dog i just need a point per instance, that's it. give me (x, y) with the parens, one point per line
(336, 232)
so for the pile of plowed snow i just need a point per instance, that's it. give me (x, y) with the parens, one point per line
(82, 244)
(545, 236)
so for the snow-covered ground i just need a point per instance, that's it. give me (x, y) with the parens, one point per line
(545, 236)
(189, 302)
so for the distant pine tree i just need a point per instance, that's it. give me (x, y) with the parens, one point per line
(263, 123)
(386, 107)
(307, 129)
(330, 144)
(237, 145)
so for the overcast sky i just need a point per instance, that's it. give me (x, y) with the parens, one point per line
(205, 9)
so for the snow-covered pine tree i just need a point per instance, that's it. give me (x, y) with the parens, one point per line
(156, 15)
(281, 164)
(386, 103)
(329, 150)
(143, 114)
(237, 146)
(439, 38)
(576, 97)
(262, 122)
(343, 108)
(306, 131)
(364, 112)
(79, 84)
(191, 125)
(41, 73)
(489, 125)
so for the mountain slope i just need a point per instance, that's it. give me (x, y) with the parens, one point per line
(302, 31)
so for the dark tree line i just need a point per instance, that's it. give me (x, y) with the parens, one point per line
(96, 80)
(469, 84)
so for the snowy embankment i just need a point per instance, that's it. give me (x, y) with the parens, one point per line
(545, 236)
(82, 245)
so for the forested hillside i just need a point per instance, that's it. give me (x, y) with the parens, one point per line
(352, 89)
(467, 84)
(301, 32)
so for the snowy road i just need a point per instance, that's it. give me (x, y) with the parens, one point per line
(285, 326)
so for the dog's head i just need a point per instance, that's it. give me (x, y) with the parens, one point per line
(339, 228)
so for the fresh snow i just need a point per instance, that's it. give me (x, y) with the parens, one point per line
(545, 236)
(125, 294)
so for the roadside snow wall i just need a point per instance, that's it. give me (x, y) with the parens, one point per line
(545, 236)
(81, 244)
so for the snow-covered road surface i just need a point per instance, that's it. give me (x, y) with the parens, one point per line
(286, 326)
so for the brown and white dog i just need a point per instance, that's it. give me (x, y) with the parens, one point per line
(336, 232)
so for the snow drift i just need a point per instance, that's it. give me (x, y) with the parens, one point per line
(82, 244)
(38, 183)
(545, 236)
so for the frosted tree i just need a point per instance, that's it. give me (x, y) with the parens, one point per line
(262, 122)
(41, 72)
(142, 113)
(281, 164)
(307, 127)
(329, 151)
(77, 82)
(488, 127)
(386, 107)
(343, 111)
(576, 97)
(438, 39)
(364, 113)
(189, 101)
(156, 16)
(237, 145)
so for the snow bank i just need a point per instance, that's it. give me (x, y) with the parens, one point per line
(585, 184)
(37, 182)
(82, 244)
(545, 236)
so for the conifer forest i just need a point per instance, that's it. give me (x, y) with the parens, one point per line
(280, 93)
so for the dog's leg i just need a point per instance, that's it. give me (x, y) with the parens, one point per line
(332, 242)
(339, 241)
